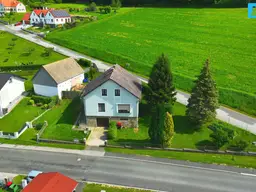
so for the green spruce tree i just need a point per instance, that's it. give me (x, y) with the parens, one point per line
(203, 102)
(168, 130)
(160, 89)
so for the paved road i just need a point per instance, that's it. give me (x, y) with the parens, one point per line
(162, 176)
(223, 113)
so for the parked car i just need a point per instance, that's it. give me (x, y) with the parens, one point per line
(32, 174)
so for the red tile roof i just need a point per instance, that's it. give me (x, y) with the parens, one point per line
(39, 11)
(51, 182)
(26, 17)
(9, 3)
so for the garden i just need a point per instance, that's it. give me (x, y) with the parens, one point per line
(16, 52)
(60, 119)
(22, 113)
(140, 34)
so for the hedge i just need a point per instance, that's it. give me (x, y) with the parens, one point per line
(41, 99)
(20, 67)
(84, 62)
(112, 130)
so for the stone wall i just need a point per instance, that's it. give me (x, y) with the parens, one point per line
(126, 121)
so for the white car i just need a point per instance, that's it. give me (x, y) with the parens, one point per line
(32, 174)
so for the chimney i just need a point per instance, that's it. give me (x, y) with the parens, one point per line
(24, 183)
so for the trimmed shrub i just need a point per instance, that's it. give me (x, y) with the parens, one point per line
(31, 102)
(84, 62)
(39, 126)
(41, 99)
(241, 144)
(112, 130)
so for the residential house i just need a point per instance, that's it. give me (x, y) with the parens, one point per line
(56, 77)
(115, 95)
(49, 17)
(51, 182)
(26, 19)
(11, 88)
(7, 6)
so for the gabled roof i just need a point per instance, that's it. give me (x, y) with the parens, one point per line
(26, 17)
(4, 77)
(59, 13)
(39, 11)
(63, 70)
(51, 182)
(121, 77)
(9, 3)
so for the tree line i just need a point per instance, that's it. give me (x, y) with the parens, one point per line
(220, 3)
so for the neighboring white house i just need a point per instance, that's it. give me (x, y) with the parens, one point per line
(49, 17)
(115, 95)
(11, 88)
(7, 6)
(56, 77)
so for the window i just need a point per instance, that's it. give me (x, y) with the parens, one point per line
(123, 108)
(52, 20)
(101, 107)
(56, 19)
(104, 92)
(61, 19)
(117, 92)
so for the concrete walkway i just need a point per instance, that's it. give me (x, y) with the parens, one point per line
(225, 114)
(97, 137)
(94, 153)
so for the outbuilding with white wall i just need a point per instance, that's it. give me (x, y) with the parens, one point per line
(56, 77)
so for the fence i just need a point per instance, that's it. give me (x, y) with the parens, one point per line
(17, 134)
(4, 22)
(205, 150)
(38, 139)
(32, 32)
(70, 94)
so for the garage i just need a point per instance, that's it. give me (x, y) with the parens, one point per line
(102, 122)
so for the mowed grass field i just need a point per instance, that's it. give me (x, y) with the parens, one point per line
(19, 53)
(189, 36)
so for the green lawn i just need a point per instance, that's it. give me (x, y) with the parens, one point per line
(241, 161)
(108, 188)
(189, 36)
(186, 136)
(23, 112)
(60, 121)
(19, 53)
(29, 138)
(16, 17)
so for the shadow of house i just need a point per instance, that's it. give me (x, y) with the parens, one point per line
(71, 112)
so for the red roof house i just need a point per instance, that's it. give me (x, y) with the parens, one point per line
(9, 3)
(51, 182)
(26, 18)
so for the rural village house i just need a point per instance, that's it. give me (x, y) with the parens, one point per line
(56, 77)
(7, 6)
(114, 95)
(48, 17)
(51, 182)
(11, 88)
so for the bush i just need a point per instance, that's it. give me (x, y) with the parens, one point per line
(241, 144)
(39, 104)
(45, 106)
(39, 126)
(31, 102)
(92, 7)
(112, 130)
(41, 99)
(84, 62)
(221, 135)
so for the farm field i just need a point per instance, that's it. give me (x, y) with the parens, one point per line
(18, 53)
(189, 36)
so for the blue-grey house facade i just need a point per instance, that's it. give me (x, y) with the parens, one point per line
(114, 96)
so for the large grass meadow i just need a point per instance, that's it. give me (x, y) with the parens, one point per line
(189, 36)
